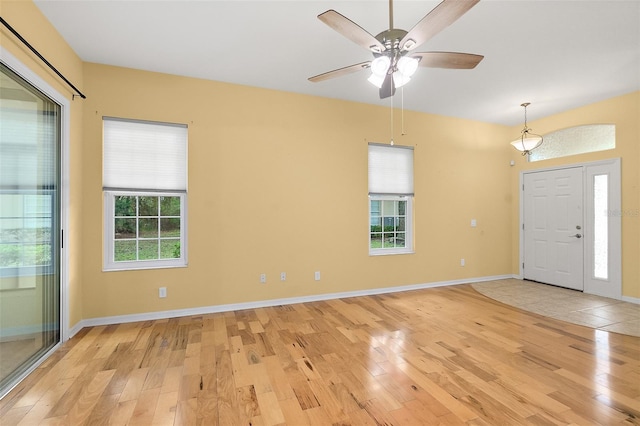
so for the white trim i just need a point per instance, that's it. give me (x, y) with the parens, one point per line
(76, 328)
(611, 286)
(109, 264)
(585, 166)
(65, 130)
(150, 316)
(65, 110)
(630, 299)
(30, 370)
(408, 227)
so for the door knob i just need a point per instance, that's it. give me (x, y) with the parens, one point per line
(576, 236)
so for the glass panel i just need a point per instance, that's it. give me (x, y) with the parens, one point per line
(170, 249)
(576, 140)
(148, 249)
(125, 228)
(148, 228)
(389, 208)
(124, 250)
(376, 240)
(125, 205)
(375, 208)
(401, 224)
(148, 206)
(388, 240)
(376, 223)
(400, 239)
(170, 206)
(170, 227)
(29, 226)
(601, 227)
(402, 206)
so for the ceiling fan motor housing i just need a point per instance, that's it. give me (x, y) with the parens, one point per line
(390, 39)
(393, 62)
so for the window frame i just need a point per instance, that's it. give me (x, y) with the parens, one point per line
(576, 140)
(408, 248)
(110, 264)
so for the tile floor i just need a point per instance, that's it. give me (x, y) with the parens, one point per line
(572, 306)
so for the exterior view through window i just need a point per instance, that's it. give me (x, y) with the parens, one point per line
(388, 223)
(145, 194)
(390, 199)
(30, 143)
(146, 227)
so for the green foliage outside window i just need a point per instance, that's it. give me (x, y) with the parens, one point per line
(146, 227)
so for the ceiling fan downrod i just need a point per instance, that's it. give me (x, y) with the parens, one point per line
(393, 48)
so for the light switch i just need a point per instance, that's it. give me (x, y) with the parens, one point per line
(473, 223)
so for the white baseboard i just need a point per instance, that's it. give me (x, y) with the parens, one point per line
(76, 328)
(630, 299)
(149, 316)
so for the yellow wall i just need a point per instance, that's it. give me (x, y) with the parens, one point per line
(27, 20)
(624, 112)
(278, 183)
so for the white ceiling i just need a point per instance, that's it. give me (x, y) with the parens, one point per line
(555, 54)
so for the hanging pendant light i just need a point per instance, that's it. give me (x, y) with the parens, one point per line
(528, 141)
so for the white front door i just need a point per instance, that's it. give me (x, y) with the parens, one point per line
(553, 227)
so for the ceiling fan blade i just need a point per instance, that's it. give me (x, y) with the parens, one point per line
(340, 72)
(443, 15)
(388, 87)
(451, 60)
(351, 30)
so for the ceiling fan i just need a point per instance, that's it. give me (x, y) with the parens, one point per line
(394, 62)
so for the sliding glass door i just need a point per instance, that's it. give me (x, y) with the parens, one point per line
(29, 226)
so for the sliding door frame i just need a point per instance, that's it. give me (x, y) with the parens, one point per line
(9, 60)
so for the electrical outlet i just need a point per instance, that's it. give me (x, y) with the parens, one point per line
(474, 223)
(162, 292)
(263, 278)
(317, 276)
(283, 276)
(461, 262)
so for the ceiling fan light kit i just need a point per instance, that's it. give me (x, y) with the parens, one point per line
(408, 66)
(528, 140)
(379, 69)
(394, 63)
(376, 80)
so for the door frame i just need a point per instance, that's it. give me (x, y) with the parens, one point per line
(17, 66)
(615, 223)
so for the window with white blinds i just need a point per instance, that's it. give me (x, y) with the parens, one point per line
(143, 155)
(145, 194)
(390, 199)
(390, 170)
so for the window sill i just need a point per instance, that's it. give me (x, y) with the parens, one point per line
(129, 267)
(390, 252)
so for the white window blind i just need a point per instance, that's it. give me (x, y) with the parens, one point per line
(390, 170)
(29, 135)
(143, 155)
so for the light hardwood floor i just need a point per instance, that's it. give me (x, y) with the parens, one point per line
(440, 356)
